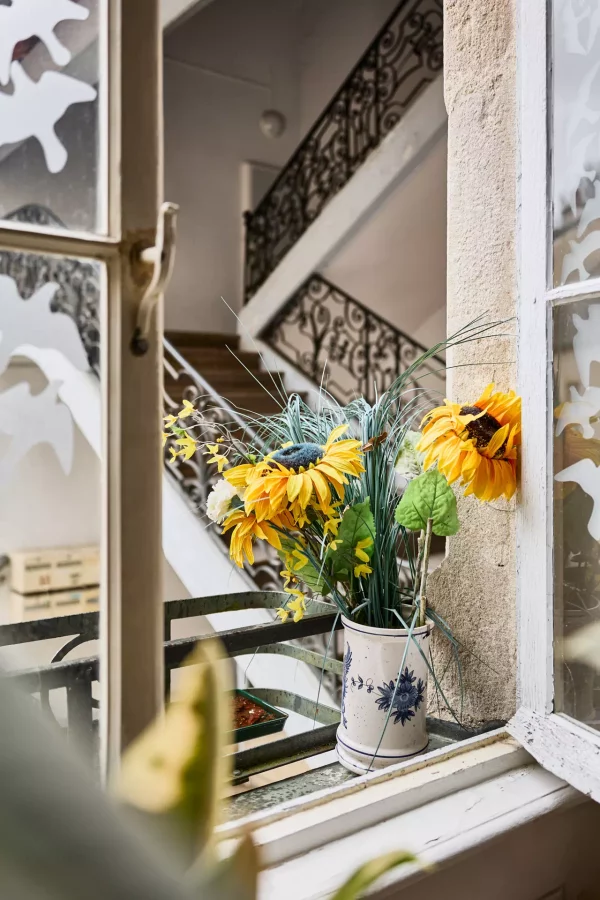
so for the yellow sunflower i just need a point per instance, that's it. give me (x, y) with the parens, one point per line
(302, 475)
(476, 443)
(246, 529)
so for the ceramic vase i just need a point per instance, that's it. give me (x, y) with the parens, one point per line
(377, 687)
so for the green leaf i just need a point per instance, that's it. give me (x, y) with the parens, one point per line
(429, 497)
(308, 574)
(364, 877)
(234, 878)
(185, 790)
(357, 525)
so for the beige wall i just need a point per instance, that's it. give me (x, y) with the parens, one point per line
(396, 262)
(475, 589)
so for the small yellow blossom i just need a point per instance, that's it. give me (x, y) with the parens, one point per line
(170, 420)
(187, 410)
(174, 454)
(298, 560)
(359, 550)
(212, 448)
(331, 525)
(298, 606)
(188, 446)
(288, 576)
(362, 570)
(219, 460)
(334, 545)
(283, 613)
(165, 437)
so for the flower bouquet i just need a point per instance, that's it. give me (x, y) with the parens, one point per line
(350, 498)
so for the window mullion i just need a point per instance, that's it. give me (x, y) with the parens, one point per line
(534, 585)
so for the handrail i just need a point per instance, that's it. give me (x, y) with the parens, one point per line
(331, 337)
(405, 56)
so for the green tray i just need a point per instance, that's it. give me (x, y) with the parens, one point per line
(260, 729)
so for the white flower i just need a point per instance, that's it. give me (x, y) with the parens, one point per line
(219, 500)
(409, 462)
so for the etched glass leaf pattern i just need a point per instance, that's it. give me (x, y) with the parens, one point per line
(51, 128)
(24, 19)
(576, 430)
(28, 327)
(576, 140)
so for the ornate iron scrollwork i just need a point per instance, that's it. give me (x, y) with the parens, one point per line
(78, 280)
(404, 57)
(333, 339)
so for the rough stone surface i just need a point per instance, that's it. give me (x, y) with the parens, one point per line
(474, 590)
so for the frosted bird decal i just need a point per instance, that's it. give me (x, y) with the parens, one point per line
(586, 343)
(591, 210)
(34, 419)
(33, 322)
(34, 108)
(579, 28)
(35, 18)
(587, 476)
(580, 251)
(579, 411)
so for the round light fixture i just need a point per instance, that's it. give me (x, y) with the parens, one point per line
(272, 123)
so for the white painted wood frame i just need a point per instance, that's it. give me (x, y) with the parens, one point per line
(131, 676)
(564, 747)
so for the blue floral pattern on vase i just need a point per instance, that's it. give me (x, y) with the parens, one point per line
(359, 684)
(408, 696)
(347, 664)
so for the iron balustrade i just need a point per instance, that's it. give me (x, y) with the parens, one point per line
(403, 59)
(78, 677)
(335, 340)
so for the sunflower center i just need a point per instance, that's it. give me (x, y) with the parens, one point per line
(298, 455)
(483, 429)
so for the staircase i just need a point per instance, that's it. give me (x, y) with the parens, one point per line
(232, 373)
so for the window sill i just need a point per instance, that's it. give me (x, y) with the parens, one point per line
(437, 831)
(488, 784)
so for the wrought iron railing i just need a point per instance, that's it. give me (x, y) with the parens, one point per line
(78, 678)
(78, 295)
(404, 57)
(335, 340)
(195, 477)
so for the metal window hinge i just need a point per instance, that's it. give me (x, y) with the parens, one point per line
(162, 257)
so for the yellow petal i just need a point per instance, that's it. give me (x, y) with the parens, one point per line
(335, 434)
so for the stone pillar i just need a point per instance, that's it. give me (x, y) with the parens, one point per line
(474, 590)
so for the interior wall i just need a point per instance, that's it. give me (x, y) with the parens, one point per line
(334, 36)
(223, 69)
(395, 263)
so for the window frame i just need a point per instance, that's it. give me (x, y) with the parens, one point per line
(130, 189)
(559, 743)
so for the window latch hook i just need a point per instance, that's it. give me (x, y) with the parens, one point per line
(162, 258)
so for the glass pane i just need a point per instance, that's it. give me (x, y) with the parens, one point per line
(576, 140)
(52, 135)
(50, 500)
(576, 502)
